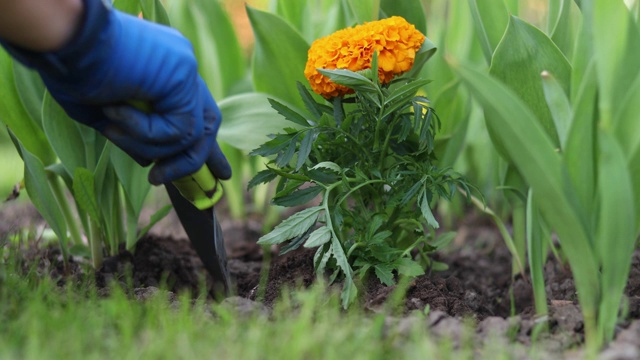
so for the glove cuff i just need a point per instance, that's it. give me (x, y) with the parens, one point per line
(60, 62)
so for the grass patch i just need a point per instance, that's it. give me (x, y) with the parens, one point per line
(40, 319)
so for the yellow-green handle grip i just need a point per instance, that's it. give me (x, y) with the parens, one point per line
(201, 188)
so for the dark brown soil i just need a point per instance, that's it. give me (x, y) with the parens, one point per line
(478, 284)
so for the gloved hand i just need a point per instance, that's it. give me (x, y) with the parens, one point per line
(116, 59)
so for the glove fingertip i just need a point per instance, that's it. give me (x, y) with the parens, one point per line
(220, 167)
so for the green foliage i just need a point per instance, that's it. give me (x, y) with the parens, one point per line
(370, 158)
(569, 128)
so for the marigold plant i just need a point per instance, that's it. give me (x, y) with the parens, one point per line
(394, 39)
(369, 158)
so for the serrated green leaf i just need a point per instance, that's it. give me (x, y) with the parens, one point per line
(328, 165)
(298, 197)
(425, 208)
(380, 236)
(400, 96)
(319, 237)
(305, 147)
(316, 109)
(285, 157)
(376, 221)
(273, 146)
(295, 243)
(262, 177)
(288, 113)
(409, 267)
(321, 262)
(443, 239)
(322, 177)
(412, 192)
(293, 226)
(384, 272)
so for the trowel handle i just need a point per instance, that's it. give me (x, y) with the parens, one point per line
(201, 188)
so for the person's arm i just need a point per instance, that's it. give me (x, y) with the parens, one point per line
(39, 25)
(102, 62)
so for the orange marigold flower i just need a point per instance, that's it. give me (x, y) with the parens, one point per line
(395, 40)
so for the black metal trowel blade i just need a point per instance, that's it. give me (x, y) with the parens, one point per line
(205, 235)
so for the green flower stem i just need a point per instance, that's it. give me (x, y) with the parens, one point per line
(72, 225)
(519, 235)
(132, 231)
(353, 247)
(411, 247)
(385, 145)
(95, 243)
(327, 211)
(345, 196)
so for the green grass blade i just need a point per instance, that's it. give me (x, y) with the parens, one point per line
(41, 195)
(536, 251)
(490, 18)
(454, 106)
(559, 24)
(14, 115)
(364, 10)
(221, 62)
(131, 176)
(153, 10)
(522, 55)
(559, 106)
(278, 61)
(63, 135)
(580, 149)
(411, 10)
(533, 153)
(616, 56)
(31, 91)
(615, 240)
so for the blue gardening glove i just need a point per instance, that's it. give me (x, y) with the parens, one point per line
(115, 60)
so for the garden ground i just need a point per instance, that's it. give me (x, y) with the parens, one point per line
(475, 292)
